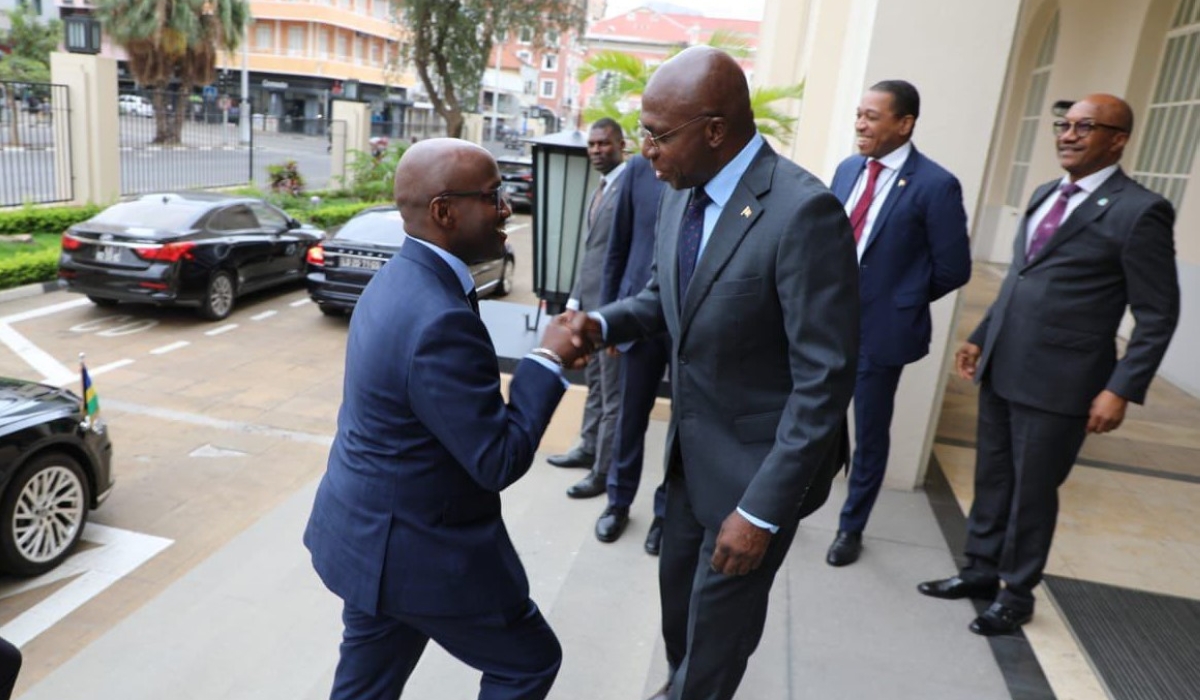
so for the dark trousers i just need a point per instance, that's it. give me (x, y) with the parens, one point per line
(10, 666)
(712, 623)
(600, 410)
(516, 651)
(641, 372)
(874, 399)
(1024, 454)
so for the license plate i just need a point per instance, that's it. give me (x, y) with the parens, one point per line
(108, 254)
(362, 263)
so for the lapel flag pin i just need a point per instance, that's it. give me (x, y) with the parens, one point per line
(902, 183)
(746, 213)
(1103, 201)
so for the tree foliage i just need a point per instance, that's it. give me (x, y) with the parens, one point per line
(450, 42)
(625, 76)
(28, 36)
(173, 43)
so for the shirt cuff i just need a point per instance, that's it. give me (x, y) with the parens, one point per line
(759, 523)
(573, 304)
(550, 366)
(603, 324)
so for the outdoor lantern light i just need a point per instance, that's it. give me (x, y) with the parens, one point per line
(81, 34)
(563, 181)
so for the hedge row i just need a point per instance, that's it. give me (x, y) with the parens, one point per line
(41, 266)
(331, 215)
(48, 220)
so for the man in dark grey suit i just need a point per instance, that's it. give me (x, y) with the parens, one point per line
(1092, 244)
(757, 284)
(606, 141)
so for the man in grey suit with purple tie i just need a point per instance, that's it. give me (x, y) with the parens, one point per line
(1091, 245)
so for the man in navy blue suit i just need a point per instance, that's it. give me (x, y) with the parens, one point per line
(406, 525)
(911, 231)
(627, 267)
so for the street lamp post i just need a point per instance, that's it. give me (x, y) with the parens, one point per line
(244, 110)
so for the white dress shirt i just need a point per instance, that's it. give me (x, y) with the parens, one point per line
(887, 179)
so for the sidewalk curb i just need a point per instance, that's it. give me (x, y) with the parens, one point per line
(28, 290)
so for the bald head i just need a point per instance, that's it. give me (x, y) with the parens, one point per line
(1112, 110)
(431, 167)
(707, 81)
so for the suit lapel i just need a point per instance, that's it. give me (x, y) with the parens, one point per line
(903, 177)
(738, 215)
(669, 221)
(425, 257)
(844, 186)
(1088, 211)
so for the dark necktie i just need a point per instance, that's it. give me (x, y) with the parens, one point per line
(690, 233)
(858, 216)
(473, 297)
(1052, 220)
(595, 207)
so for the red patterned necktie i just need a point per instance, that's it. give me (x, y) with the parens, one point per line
(1052, 220)
(858, 216)
(690, 233)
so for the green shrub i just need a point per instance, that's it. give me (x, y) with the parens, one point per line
(369, 177)
(45, 220)
(332, 215)
(41, 266)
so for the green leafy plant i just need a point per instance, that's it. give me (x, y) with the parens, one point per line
(41, 266)
(371, 178)
(285, 178)
(29, 219)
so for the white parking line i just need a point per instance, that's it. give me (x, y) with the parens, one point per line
(170, 348)
(45, 310)
(109, 367)
(53, 371)
(222, 329)
(265, 314)
(94, 569)
(301, 302)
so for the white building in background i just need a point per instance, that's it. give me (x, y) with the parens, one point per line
(989, 72)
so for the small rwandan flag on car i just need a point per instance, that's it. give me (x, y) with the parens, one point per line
(91, 402)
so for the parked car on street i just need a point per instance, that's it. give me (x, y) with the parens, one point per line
(55, 466)
(517, 174)
(135, 105)
(188, 248)
(340, 267)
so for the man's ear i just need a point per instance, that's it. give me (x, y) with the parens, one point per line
(441, 213)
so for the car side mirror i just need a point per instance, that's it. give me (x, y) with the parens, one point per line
(293, 224)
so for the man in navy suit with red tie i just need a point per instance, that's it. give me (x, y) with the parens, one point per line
(911, 231)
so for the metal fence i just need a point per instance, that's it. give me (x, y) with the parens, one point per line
(172, 141)
(412, 131)
(35, 144)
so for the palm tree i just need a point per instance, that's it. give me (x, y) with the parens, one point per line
(627, 75)
(173, 42)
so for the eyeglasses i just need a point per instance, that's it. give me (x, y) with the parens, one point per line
(1082, 129)
(496, 196)
(660, 139)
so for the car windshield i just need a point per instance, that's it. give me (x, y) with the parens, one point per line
(377, 228)
(161, 214)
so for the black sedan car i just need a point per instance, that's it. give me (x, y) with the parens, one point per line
(340, 267)
(54, 467)
(516, 173)
(188, 248)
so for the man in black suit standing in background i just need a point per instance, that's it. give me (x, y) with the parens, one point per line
(606, 143)
(1091, 244)
(642, 362)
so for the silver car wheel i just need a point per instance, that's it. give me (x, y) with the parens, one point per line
(220, 296)
(48, 515)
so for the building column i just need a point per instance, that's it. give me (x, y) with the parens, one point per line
(94, 157)
(357, 120)
(958, 59)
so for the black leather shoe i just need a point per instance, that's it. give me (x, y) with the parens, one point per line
(662, 693)
(955, 587)
(654, 537)
(612, 523)
(999, 619)
(589, 486)
(845, 549)
(575, 459)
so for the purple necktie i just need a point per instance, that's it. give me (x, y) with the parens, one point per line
(690, 233)
(1051, 221)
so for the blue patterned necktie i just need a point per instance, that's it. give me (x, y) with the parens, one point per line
(690, 233)
(1053, 219)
